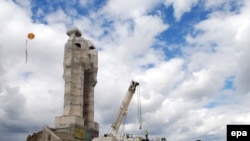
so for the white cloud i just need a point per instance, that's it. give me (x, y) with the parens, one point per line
(176, 93)
(23, 3)
(26, 87)
(181, 7)
(126, 9)
(224, 45)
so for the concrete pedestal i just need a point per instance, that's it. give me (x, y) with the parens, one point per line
(67, 121)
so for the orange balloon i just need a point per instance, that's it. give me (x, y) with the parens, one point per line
(31, 36)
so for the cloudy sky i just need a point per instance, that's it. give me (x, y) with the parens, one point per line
(191, 58)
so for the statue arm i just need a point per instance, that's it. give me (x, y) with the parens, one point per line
(93, 55)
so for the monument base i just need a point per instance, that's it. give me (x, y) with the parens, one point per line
(72, 133)
(67, 121)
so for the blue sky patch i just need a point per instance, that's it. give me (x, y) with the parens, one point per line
(148, 66)
(212, 104)
(27, 74)
(173, 39)
(178, 30)
(229, 83)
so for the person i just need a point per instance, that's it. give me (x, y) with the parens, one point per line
(146, 134)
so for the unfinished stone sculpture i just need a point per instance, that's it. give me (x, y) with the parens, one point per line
(80, 67)
(80, 72)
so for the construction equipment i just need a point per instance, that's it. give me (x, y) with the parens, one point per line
(122, 113)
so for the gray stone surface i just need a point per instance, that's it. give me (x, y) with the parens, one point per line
(66, 121)
(80, 72)
(90, 80)
(80, 75)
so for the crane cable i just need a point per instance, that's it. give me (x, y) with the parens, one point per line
(139, 107)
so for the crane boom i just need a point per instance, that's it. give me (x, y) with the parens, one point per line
(124, 107)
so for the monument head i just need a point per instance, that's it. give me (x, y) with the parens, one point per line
(74, 31)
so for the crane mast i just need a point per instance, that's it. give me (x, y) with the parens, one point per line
(124, 107)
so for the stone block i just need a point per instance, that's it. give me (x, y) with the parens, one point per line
(68, 45)
(67, 121)
(93, 125)
(70, 99)
(67, 59)
(76, 90)
(77, 78)
(77, 57)
(66, 109)
(76, 109)
(76, 67)
(67, 75)
(67, 87)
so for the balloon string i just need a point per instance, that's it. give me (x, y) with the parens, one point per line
(26, 50)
